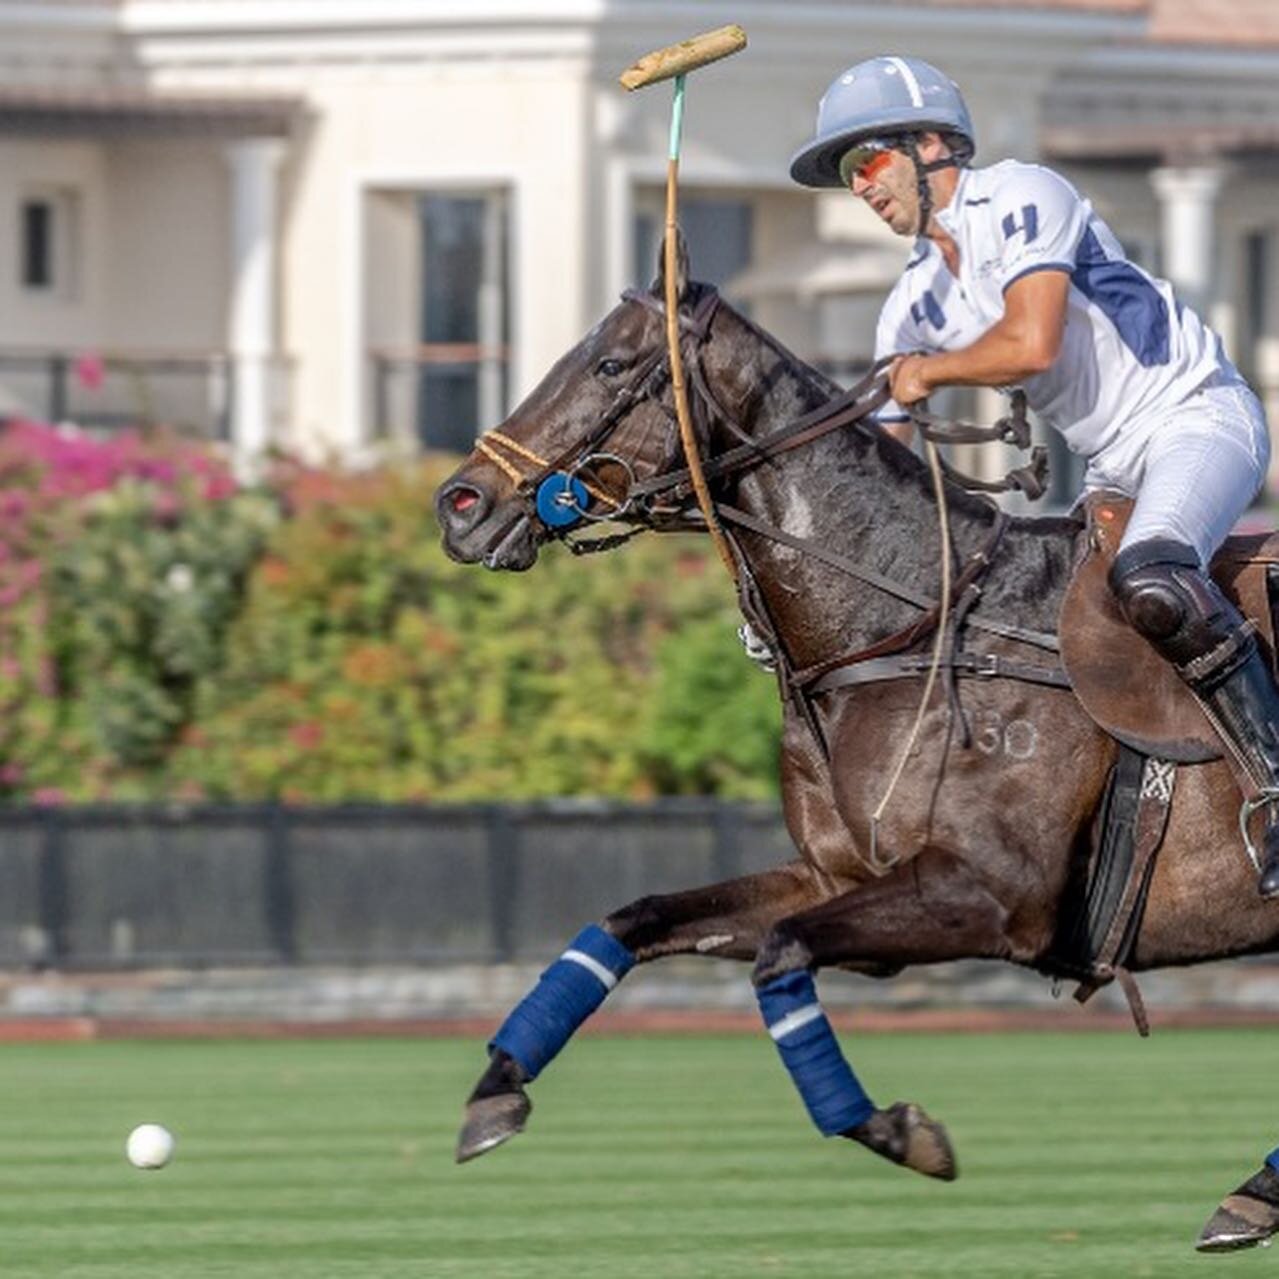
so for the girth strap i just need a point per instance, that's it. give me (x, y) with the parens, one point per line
(911, 665)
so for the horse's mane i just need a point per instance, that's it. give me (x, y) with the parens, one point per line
(1037, 549)
(900, 458)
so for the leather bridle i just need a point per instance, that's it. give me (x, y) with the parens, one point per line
(645, 383)
(661, 502)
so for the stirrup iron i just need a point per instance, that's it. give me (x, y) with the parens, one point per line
(1246, 810)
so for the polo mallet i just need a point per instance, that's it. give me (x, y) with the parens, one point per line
(676, 61)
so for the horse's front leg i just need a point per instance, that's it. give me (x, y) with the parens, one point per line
(728, 919)
(928, 910)
(1247, 1216)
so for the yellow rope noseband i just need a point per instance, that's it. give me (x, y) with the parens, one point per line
(512, 472)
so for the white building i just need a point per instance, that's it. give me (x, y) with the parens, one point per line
(323, 223)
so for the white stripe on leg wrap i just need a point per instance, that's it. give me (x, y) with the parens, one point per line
(606, 975)
(793, 1021)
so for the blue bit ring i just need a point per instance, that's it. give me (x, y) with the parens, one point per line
(561, 500)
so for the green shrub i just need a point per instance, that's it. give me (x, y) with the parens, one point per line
(367, 665)
(140, 603)
(121, 563)
(315, 644)
(714, 720)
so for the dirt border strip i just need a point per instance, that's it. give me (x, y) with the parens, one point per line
(635, 1022)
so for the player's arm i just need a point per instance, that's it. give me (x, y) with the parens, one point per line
(1024, 342)
(895, 332)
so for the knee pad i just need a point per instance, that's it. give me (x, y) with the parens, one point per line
(1170, 601)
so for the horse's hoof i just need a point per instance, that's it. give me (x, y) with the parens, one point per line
(1247, 1216)
(906, 1135)
(490, 1121)
(1240, 1222)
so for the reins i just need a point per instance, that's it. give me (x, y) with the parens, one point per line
(1013, 428)
(660, 502)
(943, 612)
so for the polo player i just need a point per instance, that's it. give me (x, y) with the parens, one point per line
(1015, 281)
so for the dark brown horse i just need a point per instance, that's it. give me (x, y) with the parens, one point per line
(980, 850)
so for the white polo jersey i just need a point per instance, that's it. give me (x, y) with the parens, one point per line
(1130, 351)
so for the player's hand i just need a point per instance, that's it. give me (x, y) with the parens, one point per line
(908, 380)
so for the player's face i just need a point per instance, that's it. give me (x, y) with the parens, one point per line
(886, 181)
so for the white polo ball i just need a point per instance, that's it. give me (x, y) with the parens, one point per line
(149, 1146)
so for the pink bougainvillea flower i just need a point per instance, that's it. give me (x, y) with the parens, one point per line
(90, 371)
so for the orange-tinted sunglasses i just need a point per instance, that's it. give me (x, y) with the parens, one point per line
(866, 163)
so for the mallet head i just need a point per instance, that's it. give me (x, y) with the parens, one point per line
(686, 56)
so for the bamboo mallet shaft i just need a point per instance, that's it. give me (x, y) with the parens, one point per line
(674, 62)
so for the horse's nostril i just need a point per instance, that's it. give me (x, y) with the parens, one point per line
(461, 505)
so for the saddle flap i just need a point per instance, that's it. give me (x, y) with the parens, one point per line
(1122, 682)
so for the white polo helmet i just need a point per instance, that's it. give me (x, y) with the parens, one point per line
(877, 98)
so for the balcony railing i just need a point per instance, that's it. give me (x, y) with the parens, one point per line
(439, 394)
(191, 392)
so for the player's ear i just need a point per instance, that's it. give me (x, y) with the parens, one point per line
(932, 146)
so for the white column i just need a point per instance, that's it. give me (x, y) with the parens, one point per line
(1187, 198)
(491, 314)
(251, 323)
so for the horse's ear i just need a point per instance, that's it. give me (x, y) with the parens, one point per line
(681, 267)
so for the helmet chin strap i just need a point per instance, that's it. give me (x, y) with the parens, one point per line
(911, 147)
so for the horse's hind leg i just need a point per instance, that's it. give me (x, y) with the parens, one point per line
(929, 910)
(727, 919)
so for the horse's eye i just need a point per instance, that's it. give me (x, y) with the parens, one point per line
(609, 368)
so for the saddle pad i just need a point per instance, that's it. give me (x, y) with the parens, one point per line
(1122, 682)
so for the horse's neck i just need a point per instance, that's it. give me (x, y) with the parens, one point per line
(855, 492)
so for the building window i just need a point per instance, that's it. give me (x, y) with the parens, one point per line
(47, 252)
(37, 244)
(464, 331)
(717, 230)
(436, 307)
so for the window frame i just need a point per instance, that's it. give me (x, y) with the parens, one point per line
(61, 247)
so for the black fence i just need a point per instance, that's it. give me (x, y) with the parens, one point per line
(111, 887)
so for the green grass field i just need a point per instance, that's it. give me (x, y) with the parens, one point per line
(1091, 1155)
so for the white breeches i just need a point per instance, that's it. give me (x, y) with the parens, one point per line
(1198, 469)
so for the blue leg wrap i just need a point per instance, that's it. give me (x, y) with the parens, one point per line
(810, 1051)
(1272, 1161)
(567, 993)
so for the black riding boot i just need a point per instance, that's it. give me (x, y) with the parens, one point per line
(1180, 610)
(1245, 707)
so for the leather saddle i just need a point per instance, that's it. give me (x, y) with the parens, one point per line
(1122, 682)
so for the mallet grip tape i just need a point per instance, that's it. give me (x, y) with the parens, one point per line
(688, 55)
